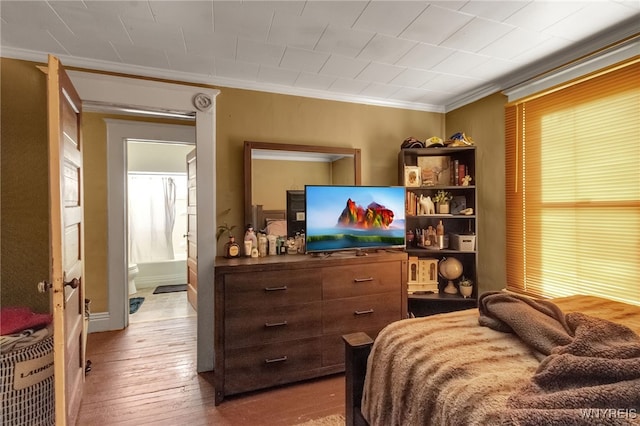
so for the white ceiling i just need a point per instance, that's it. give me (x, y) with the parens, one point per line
(424, 55)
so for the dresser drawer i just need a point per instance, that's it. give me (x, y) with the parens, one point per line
(358, 280)
(354, 314)
(269, 365)
(271, 288)
(267, 324)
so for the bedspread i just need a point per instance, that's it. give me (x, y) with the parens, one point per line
(448, 370)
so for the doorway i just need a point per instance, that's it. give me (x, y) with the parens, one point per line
(157, 230)
(155, 95)
(144, 149)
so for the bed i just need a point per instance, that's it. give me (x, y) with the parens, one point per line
(513, 360)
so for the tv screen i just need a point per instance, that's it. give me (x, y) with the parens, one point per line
(354, 217)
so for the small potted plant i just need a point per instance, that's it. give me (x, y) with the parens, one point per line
(466, 287)
(225, 227)
(442, 198)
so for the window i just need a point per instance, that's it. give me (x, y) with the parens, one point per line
(573, 188)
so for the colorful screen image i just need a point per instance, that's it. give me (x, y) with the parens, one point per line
(354, 217)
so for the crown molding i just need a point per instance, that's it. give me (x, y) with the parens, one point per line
(136, 70)
(620, 34)
(576, 69)
(477, 94)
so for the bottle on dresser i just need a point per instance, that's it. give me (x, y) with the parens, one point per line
(250, 240)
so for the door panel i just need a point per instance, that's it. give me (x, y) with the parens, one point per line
(67, 241)
(192, 242)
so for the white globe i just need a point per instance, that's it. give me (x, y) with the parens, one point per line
(450, 268)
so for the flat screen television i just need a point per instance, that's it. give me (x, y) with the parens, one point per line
(354, 217)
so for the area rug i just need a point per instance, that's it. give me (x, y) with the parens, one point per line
(332, 420)
(170, 288)
(134, 304)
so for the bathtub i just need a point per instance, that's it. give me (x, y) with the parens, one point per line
(165, 272)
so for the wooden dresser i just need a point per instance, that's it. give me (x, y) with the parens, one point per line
(279, 319)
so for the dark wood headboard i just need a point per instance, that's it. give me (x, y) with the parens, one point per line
(261, 216)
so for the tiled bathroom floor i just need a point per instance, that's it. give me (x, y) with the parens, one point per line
(161, 306)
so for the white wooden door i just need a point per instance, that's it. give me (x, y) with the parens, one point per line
(192, 242)
(67, 241)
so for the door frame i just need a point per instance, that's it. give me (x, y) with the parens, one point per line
(147, 94)
(118, 133)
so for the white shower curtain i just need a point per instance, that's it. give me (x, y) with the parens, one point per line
(152, 213)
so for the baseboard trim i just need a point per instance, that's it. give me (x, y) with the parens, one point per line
(156, 280)
(100, 321)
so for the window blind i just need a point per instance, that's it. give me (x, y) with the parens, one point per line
(573, 188)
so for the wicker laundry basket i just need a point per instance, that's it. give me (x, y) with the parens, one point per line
(26, 384)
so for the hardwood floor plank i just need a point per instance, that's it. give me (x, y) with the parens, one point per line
(146, 375)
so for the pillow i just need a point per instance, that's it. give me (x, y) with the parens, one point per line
(276, 227)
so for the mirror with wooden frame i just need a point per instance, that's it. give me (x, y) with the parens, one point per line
(271, 170)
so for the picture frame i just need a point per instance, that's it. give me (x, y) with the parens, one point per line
(435, 170)
(412, 176)
(458, 203)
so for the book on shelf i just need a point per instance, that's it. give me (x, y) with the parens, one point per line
(454, 176)
(411, 203)
(462, 172)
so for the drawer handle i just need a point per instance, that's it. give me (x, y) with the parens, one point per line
(368, 311)
(275, 324)
(273, 360)
(284, 287)
(362, 280)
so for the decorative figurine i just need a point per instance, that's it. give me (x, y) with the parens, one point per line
(426, 206)
(466, 180)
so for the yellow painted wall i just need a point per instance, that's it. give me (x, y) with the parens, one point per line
(24, 214)
(95, 212)
(483, 120)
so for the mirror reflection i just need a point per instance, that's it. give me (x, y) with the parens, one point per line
(276, 173)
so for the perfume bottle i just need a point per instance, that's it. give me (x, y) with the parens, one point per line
(250, 235)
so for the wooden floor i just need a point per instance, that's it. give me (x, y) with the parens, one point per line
(146, 374)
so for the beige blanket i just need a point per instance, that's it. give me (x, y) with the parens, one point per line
(448, 370)
(592, 368)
